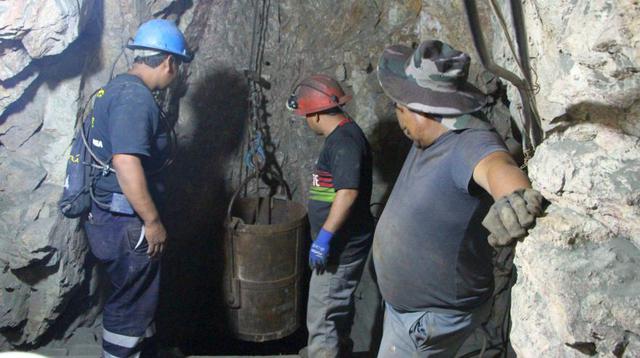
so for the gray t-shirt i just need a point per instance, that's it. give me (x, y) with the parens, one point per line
(430, 249)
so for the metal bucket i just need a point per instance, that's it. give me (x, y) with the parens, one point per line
(263, 267)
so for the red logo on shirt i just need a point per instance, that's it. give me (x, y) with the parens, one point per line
(322, 179)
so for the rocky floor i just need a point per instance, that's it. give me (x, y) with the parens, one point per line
(92, 351)
(95, 350)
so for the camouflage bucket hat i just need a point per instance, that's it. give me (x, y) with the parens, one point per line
(431, 79)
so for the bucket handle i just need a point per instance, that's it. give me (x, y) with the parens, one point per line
(255, 175)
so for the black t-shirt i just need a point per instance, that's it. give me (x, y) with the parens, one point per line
(126, 121)
(344, 163)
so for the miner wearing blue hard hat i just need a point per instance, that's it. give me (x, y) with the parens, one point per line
(124, 227)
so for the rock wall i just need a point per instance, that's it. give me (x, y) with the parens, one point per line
(586, 79)
(577, 288)
(577, 292)
(53, 53)
(586, 57)
(44, 271)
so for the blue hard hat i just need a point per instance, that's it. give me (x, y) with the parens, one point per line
(161, 35)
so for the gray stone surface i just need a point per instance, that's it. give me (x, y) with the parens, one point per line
(43, 260)
(89, 350)
(13, 308)
(45, 28)
(33, 29)
(19, 173)
(14, 59)
(276, 356)
(578, 283)
(12, 90)
(579, 292)
(17, 129)
(593, 169)
(585, 53)
(53, 352)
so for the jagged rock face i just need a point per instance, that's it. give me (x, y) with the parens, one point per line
(42, 255)
(591, 169)
(578, 283)
(43, 28)
(49, 285)
(586, 55)
(31, 30)
(577, 290)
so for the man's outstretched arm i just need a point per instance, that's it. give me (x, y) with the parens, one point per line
(516, 205)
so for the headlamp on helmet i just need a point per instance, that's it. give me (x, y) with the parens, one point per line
(315, 94)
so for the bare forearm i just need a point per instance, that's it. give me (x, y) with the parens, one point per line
(340, 209)
(505, 180)
(499, 175)
(133, 183)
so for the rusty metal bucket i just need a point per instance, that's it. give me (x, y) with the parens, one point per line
(263, 266)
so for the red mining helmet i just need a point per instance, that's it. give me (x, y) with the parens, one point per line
(315, 94)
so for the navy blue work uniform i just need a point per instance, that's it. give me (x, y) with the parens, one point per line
(126, 121)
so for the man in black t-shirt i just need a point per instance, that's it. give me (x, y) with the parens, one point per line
(338, 213)
(124, 229)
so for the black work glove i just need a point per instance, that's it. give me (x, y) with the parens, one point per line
(510, 217)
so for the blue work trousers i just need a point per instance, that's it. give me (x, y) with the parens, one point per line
(128, 318)
(330, 308)
(430, 333)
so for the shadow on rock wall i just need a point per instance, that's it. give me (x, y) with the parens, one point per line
(595, 112)
(57, 293)
(390, 147)
(54, 70)
(191, 312)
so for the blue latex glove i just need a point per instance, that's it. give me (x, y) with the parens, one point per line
(320, 251)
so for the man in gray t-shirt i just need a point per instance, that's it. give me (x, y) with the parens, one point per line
(431, 252)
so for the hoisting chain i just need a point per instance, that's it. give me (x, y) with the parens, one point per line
(254, 158)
